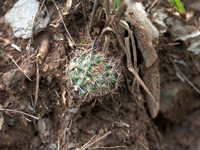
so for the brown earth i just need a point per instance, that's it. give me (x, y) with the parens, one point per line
(123, 118)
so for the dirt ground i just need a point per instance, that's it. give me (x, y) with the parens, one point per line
(116, 121)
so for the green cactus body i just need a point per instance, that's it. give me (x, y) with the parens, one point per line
(93, 76)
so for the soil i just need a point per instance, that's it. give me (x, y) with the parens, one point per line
(123, 117)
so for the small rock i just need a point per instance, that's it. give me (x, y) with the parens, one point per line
(41, 147)
(36, 142)
(101, 131)
(49, 79)
(12, 78)
(10, 122)
(53, 146)
(74, 110)
(67, 118)
(23, 11)
(92, 132)
(71, 146)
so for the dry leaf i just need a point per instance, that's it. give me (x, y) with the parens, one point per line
(144, 31)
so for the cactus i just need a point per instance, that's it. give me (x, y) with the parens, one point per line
(93, 75)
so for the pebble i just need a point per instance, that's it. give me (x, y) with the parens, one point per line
(36, 142)
(53, 146)
(101, 131)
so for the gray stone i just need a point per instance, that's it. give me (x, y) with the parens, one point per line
(74, 110)
(52, 146)
(21, 16)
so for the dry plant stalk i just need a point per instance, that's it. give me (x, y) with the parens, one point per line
(129, 61)
(145, 33)
(20, 68)
(37, 83)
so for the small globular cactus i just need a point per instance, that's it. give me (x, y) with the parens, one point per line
(91, 75)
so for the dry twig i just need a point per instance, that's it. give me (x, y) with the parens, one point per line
(108, 147)
(192, 120)
(186, 79)
(20, 68)
(91, 141)
(141, 144)
(153, 4)
(95, 7)
(20, 113)
(37, 83)
(64, 23)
